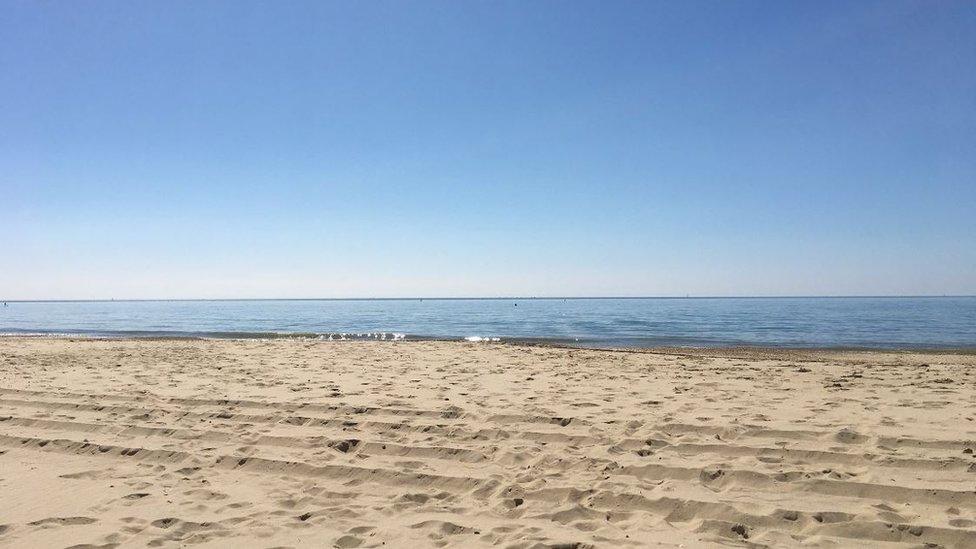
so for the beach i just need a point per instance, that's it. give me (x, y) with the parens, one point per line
(308, 443)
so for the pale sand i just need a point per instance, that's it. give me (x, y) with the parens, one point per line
(415, 444)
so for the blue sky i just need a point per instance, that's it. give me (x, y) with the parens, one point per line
(288, 149)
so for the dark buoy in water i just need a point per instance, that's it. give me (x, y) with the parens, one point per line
(516, 304)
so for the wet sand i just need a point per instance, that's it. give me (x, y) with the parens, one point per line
(290, 443)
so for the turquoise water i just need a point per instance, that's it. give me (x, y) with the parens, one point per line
(786, 322)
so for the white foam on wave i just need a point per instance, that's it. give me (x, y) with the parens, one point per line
(479, 339)
(41, 334)
(382, 336)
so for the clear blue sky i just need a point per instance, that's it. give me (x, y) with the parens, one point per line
(271, 149)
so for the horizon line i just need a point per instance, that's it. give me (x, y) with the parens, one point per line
(499, 298)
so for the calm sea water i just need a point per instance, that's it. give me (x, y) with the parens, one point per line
(790, 322)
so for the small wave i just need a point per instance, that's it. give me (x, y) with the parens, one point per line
(37, 334)
(140, 334)
(479, 339)
(380, 336)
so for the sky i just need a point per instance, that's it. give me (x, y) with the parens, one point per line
(398, 149)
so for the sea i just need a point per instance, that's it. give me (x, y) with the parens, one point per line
(801, 322)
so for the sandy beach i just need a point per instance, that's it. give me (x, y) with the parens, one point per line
(293, 443)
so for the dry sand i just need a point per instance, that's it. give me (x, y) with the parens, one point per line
(416, 444)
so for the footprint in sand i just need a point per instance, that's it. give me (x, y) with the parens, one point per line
(63, 521)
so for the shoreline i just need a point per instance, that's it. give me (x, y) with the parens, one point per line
(744, 351)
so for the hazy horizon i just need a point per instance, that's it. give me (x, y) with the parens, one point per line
(243, 150)
(489, 298)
